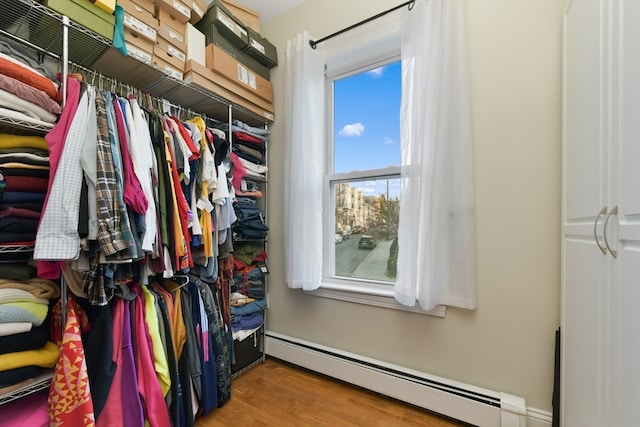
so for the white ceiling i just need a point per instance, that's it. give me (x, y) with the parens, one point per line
(269, 9)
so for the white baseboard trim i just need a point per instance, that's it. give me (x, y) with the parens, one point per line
(464, 402)
(539, 418)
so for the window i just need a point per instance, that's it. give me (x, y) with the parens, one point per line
(327, 192)
(363, 174)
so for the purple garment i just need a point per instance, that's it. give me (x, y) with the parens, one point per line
(131, 405)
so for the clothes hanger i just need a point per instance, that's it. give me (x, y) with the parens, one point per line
(183, 280)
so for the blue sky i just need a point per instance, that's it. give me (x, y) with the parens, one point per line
(366, 120)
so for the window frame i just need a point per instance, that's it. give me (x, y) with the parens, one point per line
(351, 61)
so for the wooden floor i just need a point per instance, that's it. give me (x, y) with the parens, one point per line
(279, 394)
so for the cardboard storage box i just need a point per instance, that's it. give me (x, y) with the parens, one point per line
(176, 9)
(247, 16)
(261, 49)
(169, 69)
(147, 5)
(195, 45)
(212, 35)
(134, 24)
(139, 54)
(132, 37)
(140, 10)
(226, 66)
(173, 35)
(170, 53)
(198, 9)
(208, 80)
(86, 14)
(166, 18)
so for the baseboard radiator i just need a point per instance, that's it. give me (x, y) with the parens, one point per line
(470, 404)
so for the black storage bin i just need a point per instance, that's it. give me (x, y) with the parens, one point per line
(261, 49)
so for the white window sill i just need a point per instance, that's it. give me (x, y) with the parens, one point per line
(377, 295)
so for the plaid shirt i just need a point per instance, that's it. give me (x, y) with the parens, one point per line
(109, 234)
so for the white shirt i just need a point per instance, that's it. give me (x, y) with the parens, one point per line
(142, 156)
(57, 237)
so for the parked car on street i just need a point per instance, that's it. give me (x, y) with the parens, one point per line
(338, 238)
(367, 242)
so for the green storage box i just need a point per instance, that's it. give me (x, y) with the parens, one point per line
(86, 14)
(86, 49)
(261, 49)
(227, 24)
(213, 36)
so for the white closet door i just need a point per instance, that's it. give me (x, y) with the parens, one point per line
(586, 268)
(624, 229)
(584, 369)
(585, 104)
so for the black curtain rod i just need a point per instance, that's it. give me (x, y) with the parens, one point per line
(314, 43)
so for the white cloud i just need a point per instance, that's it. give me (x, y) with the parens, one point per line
(352, 130)
(387, 140)
(367, 191)
(376, 72)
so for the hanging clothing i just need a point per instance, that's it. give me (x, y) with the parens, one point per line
(57, 237)
(70, 402)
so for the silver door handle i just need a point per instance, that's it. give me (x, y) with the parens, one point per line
(613, 252)
(603, 211)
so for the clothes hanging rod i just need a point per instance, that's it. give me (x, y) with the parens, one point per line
(314, 43)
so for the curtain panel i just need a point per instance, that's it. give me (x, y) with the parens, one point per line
(436, 233)
(304, 162)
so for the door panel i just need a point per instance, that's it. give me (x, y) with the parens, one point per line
(583, 335)
(584, 91)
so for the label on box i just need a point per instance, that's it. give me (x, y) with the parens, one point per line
(231, 24)
(176, 36)
(140, 55)
(182, 8)
(197, 9)
(172, 72)
(140, 27)
(226, 21)
(258, 46)
(176, 53)
(246, 77)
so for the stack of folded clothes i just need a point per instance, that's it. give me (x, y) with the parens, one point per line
(24, 175)
(249, 149)
(28, 91)
(26, 349)
(248, 299)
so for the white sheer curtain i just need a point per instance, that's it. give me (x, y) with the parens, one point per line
(436, 235)
(304, 154)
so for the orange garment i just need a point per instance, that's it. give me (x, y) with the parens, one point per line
(28, 76)
(183, 245)
(206, 221)
(178, 330)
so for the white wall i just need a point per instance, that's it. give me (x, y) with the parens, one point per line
(507, 344)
